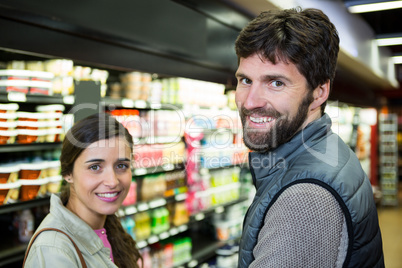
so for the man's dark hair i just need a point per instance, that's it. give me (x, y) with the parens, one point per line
(305, 38)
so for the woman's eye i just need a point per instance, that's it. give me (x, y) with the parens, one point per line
(277, 83)
(122, 166)
(94, 167)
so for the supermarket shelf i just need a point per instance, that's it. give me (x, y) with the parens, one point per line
(155, 140)
(30, 98)
(199, 216)
(157, 169)
(137, 104)
(162, 236)
(12, 254)
(13, 148)
(24, 205)
(178, 229)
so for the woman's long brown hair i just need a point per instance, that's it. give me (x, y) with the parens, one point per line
(83, 133)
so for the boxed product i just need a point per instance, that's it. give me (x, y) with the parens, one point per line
(9, 174)
(8, 136)
(54, 184)
(33, 171)
(8, 107)
(9, 192)
(31, 189)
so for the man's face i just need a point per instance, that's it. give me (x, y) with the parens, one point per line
(273, 101)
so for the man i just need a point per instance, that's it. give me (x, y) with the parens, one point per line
(314, 205)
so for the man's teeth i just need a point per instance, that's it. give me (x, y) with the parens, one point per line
(107, 195)
(261, 119)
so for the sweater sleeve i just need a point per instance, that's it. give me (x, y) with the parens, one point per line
(305, 227)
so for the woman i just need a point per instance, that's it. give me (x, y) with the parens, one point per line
(96, 166)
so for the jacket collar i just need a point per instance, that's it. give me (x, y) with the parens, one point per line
(263, 165)
(82, 232)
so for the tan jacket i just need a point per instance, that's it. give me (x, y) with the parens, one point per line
(54, 249)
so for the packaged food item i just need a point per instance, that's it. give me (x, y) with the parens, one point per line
(27, 116)
(54, 135)
(33, 125)
(8, 136)
(131, 197)
(54, 184)
(33, 171)
(26, 226)
(53, 168)
(8, 117)
(31, 136)
(9, 174)
(51, 108)
(9, 192)
(8, 107)
(10, 125)
(31, 189)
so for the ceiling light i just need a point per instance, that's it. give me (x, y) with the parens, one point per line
(375, 7)
(389, 41)
(397, 59)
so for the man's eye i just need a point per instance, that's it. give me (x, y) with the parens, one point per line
(245, 81)
(277, 83)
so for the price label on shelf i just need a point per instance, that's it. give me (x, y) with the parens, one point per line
(142, 206)
(164, 235)
(130, 210)
(156, 105)
(153, 239)
(180, 197)
(69, 99)
(140, 171)
(173, 231)
(17, 96)
(192, 263)
(219, 210)
(183, 228)
(142, 244)
(157, 203)
(127, 103)
(140, 104)
(199, 217)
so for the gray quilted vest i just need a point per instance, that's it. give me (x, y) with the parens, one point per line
(316, 155)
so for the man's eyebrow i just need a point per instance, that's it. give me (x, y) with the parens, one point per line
(240, 75)
(269, 77)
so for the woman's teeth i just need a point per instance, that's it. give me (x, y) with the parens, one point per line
(261, 119)
(107, 195)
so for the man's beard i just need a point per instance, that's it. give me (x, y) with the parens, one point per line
(284, 128)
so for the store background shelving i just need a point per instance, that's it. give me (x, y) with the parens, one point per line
(163, 50)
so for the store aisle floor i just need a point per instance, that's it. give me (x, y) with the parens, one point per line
(390, 219)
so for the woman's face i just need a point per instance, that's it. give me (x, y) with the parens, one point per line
(100, 180)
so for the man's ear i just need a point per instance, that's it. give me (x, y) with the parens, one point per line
(320, 95)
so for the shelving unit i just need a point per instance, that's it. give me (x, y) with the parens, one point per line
(119, 53)
(202, 251)
(388, 148)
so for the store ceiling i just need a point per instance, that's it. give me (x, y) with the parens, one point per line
(386, 23)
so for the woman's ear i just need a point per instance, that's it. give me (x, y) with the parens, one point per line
(68, 178)
(320, 95)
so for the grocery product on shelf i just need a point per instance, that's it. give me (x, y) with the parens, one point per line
(26, 81)
(26, 226)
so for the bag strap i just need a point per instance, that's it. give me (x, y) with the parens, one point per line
(60, 231)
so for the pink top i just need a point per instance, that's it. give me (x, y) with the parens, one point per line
(103, 236)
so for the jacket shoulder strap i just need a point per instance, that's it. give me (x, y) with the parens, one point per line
(60, 231)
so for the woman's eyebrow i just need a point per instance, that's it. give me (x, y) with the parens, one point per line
(95, 160)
